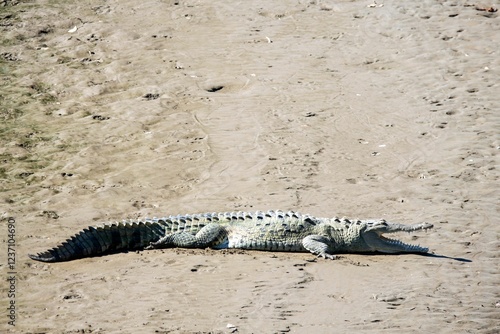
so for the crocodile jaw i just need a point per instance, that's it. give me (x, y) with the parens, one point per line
(377, 242)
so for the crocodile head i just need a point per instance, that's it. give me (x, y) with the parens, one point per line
(372, 233)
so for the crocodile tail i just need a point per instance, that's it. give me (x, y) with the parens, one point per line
(106, 239)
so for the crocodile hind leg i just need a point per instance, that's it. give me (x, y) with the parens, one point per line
(318, 244)
(210, 235)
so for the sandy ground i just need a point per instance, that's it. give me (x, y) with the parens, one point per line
(124, 109)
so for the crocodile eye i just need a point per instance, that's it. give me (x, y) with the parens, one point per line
(383, 222)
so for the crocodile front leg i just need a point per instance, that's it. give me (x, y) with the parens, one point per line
(318, 244)
(210, 235)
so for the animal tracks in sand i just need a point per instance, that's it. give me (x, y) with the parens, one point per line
(335, 109)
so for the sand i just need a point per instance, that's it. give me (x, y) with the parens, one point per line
(125, 109)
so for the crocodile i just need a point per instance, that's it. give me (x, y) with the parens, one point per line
(265, 231)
